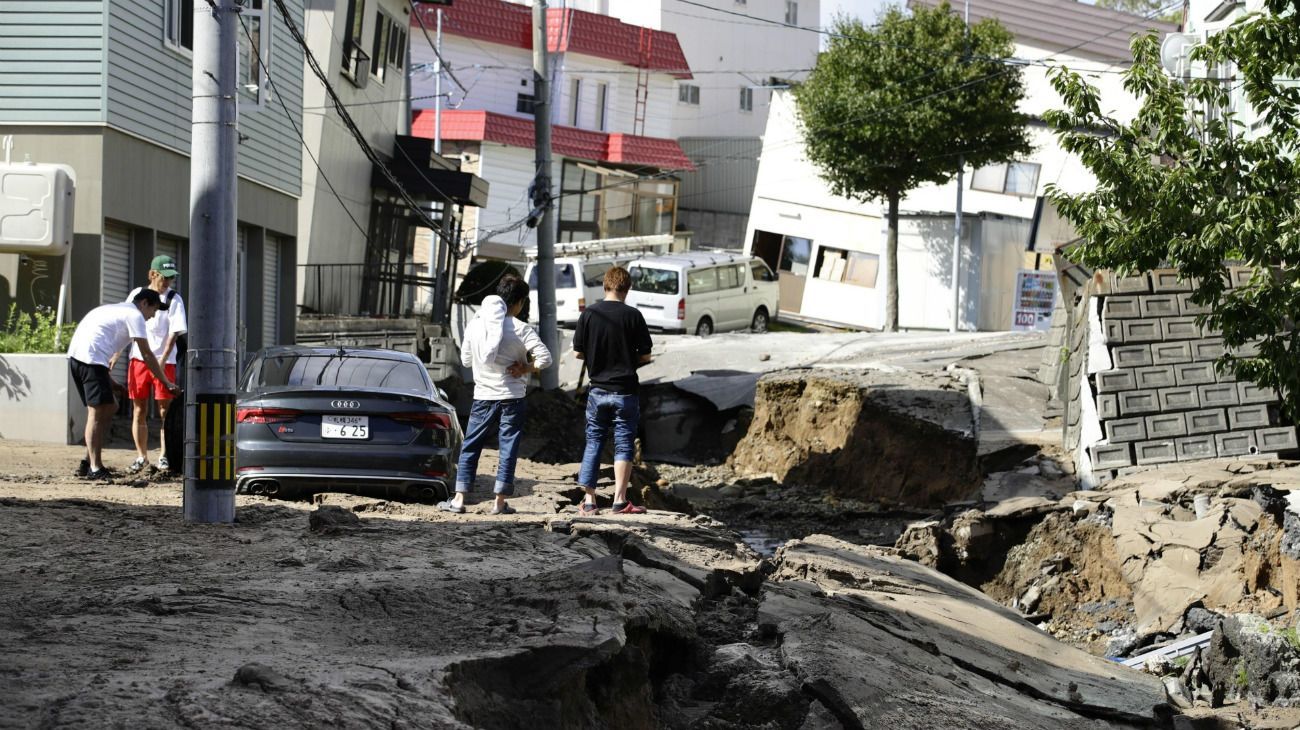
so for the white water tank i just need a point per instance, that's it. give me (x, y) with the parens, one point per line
(36, 206)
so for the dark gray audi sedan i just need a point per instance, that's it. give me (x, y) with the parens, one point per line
(343, 419)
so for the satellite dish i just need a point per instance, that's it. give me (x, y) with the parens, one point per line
(1174, 49)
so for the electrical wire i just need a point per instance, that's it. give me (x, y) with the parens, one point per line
(298, 131)
(366, 149)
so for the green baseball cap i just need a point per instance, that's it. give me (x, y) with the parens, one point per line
(165, 265)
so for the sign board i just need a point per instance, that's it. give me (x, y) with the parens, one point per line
(1035, 299)
(36, 206)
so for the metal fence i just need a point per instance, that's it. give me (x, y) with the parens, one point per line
(365, 290)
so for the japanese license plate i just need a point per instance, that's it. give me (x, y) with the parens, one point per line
(345, 427)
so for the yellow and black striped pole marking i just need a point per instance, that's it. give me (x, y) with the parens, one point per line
(215, 440)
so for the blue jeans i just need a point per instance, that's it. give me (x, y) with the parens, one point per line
(507, 416)
(606, 409)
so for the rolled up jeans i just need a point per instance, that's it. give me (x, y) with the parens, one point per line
(606, 410)
(507, 416)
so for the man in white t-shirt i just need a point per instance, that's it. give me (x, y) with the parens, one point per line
(167, 325)
(100, 335)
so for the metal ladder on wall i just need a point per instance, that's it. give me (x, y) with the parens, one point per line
(645, 42)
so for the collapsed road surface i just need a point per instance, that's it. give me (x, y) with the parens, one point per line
(363, 613)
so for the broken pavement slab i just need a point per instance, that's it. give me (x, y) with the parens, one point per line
(860, 433)
(884, 643)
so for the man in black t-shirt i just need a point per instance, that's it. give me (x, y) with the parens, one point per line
(614, 341)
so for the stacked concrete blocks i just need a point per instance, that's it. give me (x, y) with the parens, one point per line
(1163, 399)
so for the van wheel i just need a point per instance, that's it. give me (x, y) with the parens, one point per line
(759, 323)
(704, 328)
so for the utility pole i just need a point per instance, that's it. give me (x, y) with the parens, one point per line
(542, 195)
(956, 235)
(211, 361)
(437, 83)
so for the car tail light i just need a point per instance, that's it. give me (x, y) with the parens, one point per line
(266, 415)
(582, 304)
(681, 308)
(243, 469)
(426, 419)
(434, 473)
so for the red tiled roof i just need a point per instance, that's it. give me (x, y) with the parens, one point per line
(583, 144)
(510, 24)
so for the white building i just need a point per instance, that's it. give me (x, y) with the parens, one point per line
(613, 86)
(357, 255)
(739, 53)
(801, 229)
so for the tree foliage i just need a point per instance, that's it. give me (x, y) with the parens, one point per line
(897, 105)
(1144, 7)
(1188, 184)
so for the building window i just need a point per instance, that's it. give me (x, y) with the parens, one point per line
(1012, 178)
(847, 267)
(396, 45)
(791, 12)
(602, 105)
(688, 94)
(356, 62)
(254, 42)
(524, 103)
(599, 202)
(379, 49)
(178, 24)
(746, 99)
(795, 253)
(575, 101)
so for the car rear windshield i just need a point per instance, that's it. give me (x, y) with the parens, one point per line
(564, 277)
(653, 281)
(317, 370)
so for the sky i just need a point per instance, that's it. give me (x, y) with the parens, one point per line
(865, 9)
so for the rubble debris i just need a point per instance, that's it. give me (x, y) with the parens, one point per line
(885, 643)
(328, 519)
(1249, 658)
(901, 438)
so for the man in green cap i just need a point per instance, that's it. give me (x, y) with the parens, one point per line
(163, 330)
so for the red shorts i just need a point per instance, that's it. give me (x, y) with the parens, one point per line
(139, 380)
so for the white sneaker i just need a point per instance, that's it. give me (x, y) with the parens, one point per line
(163, 464)
(137, 465)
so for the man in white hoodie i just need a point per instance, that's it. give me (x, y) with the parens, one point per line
(503, 352)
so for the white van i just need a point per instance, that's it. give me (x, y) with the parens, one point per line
(578, 282)
(703, 292)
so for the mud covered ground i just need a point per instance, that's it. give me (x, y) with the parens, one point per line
(362, 613)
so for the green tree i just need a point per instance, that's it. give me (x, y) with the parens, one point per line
(897, 105)
(1148, 8)
(1187, 184)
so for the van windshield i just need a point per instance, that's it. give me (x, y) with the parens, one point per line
(653, 281)
(564, 277)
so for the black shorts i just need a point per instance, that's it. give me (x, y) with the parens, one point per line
(94, 384)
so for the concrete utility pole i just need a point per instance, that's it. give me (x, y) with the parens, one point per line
(437, 83)
(542, 195)
(956, 236)
(211, 361)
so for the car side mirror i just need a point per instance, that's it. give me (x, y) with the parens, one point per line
(441, 393)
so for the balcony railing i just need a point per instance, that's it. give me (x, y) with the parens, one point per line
(365, 290)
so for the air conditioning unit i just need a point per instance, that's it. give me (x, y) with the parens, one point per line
(360, 68)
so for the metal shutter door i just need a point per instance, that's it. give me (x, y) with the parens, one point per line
(271, 291)
(115, 264)
(115, 277)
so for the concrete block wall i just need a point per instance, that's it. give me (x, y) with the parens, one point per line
(1162, 399)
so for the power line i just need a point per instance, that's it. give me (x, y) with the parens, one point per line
(369, 152)
(418, 12)
(298, 131)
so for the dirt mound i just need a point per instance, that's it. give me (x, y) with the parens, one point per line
(904, 438)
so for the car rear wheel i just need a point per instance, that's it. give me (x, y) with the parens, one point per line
(759, 323)
(704, 328)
